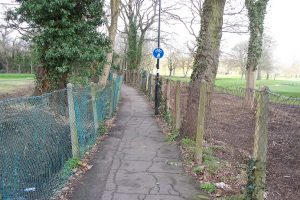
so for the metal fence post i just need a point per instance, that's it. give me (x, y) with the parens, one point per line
(200, 122)
(72, 121)
(112, 97)
(261, 143)
(177, 106)
(119, 88)
(94, 103)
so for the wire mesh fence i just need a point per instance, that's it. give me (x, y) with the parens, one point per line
(35, 137)
(236, 135)
(248, 133)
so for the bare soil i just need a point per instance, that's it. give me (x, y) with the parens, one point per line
(232, 126)
(24, 91)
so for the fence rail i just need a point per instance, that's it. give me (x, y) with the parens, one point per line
(36, 136)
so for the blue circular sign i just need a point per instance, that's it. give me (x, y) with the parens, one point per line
(158, 53)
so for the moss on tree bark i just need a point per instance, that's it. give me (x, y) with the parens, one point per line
(206, 59)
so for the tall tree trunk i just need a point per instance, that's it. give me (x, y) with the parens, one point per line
(132, 45)
(258, 74)
(250, 81)
(112, 31)
(139, 52)
(256, 14)
(31, 67)
(206, 59)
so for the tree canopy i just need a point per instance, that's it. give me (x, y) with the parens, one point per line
(65, 37)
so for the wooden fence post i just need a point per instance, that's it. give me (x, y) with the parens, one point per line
(177, 106)
(94, 103)
(168, 94)
(200, 122)
(126, 76)
(138, 80)
(145, 81)
(72, 122)
(153, 82)
(132, 78)
(261, 143)
(147, 84)
(150, 85)
(135, 79)
(143, 75)
(142, 81)
(161, 85)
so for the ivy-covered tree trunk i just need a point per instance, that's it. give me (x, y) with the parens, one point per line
(42, 82)
(206, 59)
(47, 79)
(135, 47)
(112, 31)
(139, 16)
(132, 45)
(256, 14)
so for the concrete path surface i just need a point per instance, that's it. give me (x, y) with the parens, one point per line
(135, 162)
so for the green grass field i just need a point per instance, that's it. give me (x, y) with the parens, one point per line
(16, 76)
(12, 82)
(290, 88)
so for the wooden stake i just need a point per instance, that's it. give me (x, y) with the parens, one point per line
(261, 143)
(200, 122)
(177, 106)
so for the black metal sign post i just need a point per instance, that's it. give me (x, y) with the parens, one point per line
(157, 86)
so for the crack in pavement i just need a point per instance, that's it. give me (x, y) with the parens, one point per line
(137, 167)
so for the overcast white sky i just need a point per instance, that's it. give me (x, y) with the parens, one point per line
(282, 23)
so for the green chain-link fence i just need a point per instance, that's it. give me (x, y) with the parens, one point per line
(35, 139)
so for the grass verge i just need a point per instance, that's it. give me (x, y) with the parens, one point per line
(17, 76)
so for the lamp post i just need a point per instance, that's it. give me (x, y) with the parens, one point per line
(157, 86)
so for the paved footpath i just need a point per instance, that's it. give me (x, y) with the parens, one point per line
(135, 162)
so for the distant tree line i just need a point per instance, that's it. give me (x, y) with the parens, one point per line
(16, 55)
